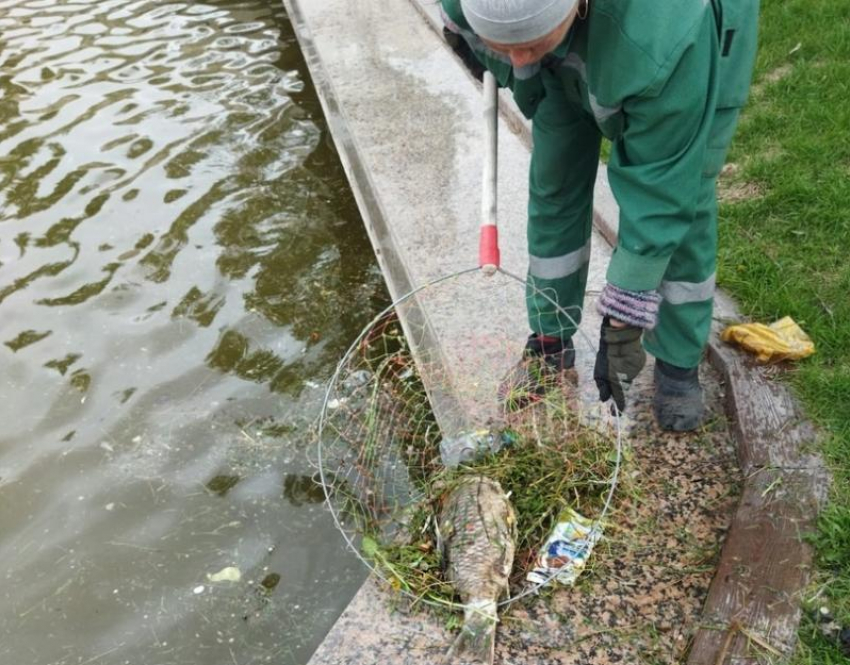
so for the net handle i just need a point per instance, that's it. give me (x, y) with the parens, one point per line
(488, 243)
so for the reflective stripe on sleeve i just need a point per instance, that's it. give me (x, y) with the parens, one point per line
(602, 113)
(681, 293)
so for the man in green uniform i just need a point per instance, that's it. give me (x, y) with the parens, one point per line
(664, 81)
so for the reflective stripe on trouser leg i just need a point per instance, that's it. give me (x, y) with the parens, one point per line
(564, 159)
(684, 318)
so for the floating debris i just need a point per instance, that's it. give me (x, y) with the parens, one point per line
(299, 490)
(222, 484)
(229, 574)
(270, 581)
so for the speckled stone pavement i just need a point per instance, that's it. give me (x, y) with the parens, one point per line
(642, 596)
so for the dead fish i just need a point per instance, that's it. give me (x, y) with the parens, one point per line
(478, 539)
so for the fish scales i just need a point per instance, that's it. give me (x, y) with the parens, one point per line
(478, 525)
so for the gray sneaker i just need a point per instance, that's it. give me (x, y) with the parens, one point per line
(545, 365)
(677, 402)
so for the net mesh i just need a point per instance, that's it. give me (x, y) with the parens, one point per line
(422, 374)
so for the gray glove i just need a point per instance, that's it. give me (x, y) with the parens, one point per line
(619, 360)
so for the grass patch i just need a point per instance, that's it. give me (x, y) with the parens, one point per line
(783, 249)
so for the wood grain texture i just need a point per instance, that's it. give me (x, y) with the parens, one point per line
(763, 569)
(769, 425)
(753, 607)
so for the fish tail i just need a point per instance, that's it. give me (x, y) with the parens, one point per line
(477, 640)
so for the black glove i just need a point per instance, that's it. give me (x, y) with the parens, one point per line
(619, 360)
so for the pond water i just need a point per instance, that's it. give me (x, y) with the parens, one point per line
(181, 267)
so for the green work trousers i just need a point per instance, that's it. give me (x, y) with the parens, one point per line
(565, 155)
(564, 160)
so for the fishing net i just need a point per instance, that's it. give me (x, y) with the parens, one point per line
(424, 380)
(416, 378)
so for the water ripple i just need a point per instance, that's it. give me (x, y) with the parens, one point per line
(177, 245)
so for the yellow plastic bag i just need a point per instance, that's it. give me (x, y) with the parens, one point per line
(781, 340)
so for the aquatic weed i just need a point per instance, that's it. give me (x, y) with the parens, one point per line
(554, 462)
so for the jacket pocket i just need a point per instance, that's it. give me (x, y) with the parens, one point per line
(737, 31)
(528, 94)
(722, 130)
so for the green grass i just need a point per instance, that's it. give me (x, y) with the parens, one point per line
(784, 246)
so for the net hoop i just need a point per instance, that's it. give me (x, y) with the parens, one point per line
(326, 483)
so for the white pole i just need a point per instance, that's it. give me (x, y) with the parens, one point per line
(489, 252)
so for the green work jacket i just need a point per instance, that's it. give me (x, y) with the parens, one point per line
(663, 81)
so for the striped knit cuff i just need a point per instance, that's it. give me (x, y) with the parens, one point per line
(637, 308)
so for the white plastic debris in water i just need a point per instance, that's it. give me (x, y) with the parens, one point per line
(198, 589)
(357, 380)
(229, 574)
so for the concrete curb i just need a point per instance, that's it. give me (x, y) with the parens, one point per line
(764, 565)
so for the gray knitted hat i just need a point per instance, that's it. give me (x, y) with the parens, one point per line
(515, 21)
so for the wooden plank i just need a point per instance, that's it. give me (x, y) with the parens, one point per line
(753, 606)
(770, 428)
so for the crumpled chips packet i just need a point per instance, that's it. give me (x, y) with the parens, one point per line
(566, 550)
(781, 340)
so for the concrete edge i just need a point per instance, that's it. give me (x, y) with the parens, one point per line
(381, 236)
(362, 187)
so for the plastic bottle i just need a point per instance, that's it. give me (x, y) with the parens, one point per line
(466, 447)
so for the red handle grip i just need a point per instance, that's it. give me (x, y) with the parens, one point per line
(488, 246)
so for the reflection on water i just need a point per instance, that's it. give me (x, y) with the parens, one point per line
(181, 266)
